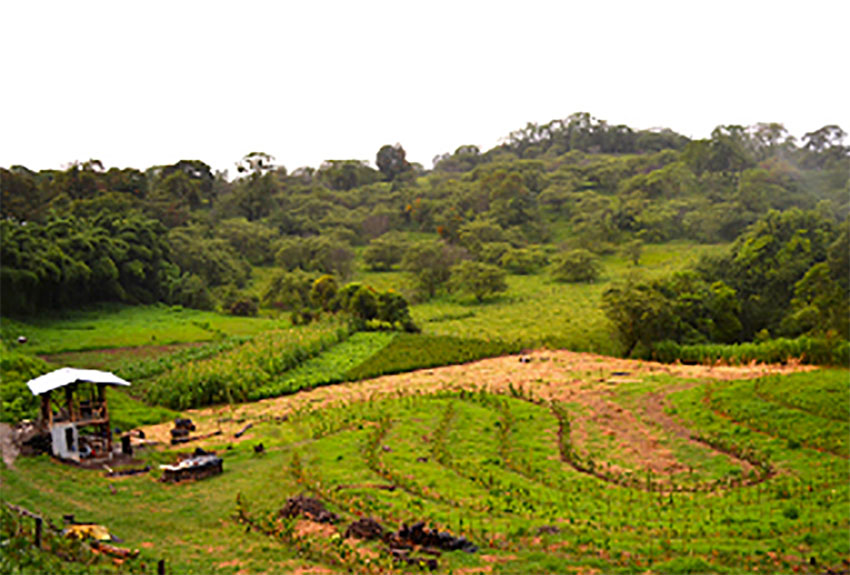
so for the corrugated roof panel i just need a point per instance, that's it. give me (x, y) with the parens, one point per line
(69, 375)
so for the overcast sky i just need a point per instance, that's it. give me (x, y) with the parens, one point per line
(142, 83)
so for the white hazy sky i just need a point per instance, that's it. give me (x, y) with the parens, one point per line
(142, 83)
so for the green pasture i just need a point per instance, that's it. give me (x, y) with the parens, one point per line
(535, 310)
(119, 326)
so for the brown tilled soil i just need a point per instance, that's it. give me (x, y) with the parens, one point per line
(583, 378)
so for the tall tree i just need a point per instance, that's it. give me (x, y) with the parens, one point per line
(429, 263)
(392, 162)
(21, 198)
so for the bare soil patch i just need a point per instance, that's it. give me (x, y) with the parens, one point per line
(550, 374)
(137, 352)
(312, 570)
(306, 528)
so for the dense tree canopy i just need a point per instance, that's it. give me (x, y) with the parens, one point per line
(182, 234)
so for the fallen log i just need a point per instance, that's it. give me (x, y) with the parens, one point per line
(242, 431)
(384, 486)
(126, 472)
(179, 440)
(199, 466)
(22, 511)
(113, 550)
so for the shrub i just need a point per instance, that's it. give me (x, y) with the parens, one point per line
(323, 292)
(289, 290)
(811, 350)
(523, 261)
(244, 307)
(393, 309)
(478, 279)
(191, 291)
(384, 252)
(576, 266)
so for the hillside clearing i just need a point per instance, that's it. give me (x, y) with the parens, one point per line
(549, 374)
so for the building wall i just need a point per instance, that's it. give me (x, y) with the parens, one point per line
(60, 434)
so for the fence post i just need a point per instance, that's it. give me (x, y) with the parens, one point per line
(38, 522)
(160, 567)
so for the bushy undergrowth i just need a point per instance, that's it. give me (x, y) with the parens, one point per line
(412, 351)
(16, 400)
(810, 350)
(233, 375)
(58, 554)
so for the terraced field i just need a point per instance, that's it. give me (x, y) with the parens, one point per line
(548, 462)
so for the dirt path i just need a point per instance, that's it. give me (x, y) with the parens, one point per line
(7, 446)
(560, 374)
(653, 406)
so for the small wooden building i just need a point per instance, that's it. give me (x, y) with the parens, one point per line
(75, 413)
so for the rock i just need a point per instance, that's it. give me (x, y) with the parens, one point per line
(308, 507)
(366, 528)
(418, 534)
(184, 423)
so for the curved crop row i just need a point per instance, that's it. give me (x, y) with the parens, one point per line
(234, 375)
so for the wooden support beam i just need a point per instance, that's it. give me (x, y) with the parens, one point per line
(69, 402)
(46, 411)
(104, 415)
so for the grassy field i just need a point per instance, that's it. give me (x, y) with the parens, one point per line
(547, 472)
(561, 462)
(538, 311)
(119, 326)
(534, 311)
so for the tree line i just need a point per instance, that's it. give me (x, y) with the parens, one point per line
(183, 234)
(786, 276)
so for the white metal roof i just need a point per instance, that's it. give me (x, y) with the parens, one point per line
(69, 375)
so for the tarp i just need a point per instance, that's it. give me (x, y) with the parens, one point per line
(69, 375)
(87, 531)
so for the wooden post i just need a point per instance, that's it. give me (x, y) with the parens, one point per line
(38, 522)
(160, 567)
(101, 397)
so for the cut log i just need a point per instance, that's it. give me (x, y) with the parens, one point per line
(242, 431)
(113, 550)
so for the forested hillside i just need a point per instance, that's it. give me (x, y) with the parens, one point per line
(551, 199)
